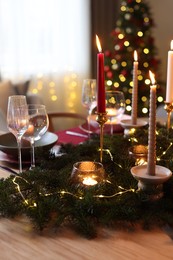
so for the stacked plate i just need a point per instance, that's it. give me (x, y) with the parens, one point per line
(8, 144)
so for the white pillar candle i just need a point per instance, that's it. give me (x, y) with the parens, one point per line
(151, 162)
(169, 87)
(135, 89)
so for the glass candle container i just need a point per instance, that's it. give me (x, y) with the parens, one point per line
(87, 173)
(139, 153)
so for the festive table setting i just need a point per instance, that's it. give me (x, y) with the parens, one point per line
(105, 194)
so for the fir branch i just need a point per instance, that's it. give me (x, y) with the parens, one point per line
(49, 198)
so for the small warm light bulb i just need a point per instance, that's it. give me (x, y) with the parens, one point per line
(146, 51)
(126, 43)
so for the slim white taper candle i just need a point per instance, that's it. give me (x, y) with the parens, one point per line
(152, 128)
(169, 83)
(135, 89)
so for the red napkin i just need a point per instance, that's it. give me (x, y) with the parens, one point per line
(64, 138)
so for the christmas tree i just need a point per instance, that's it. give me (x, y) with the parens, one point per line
(133, 32)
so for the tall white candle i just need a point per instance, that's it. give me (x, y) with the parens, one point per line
(135, 89)
(151, 162)
(169, 87)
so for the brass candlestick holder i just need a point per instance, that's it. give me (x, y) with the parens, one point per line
(101, 119)
(169, 108)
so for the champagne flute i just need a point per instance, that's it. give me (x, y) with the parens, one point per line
(115, 106)
(38, 125)
(89, 98)
(17, 120)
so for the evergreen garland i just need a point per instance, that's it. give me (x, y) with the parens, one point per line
(49, 198)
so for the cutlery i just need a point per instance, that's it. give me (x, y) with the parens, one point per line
(85, 130)
(76, 134)
(8, 169)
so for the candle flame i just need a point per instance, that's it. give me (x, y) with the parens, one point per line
(135, 56)
(152, 77)
(89, 181)
(172, 45)
(98, 44)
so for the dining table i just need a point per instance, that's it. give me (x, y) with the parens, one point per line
(19, 240)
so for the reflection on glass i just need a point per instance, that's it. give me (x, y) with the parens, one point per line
(89, 98)
(115, 106)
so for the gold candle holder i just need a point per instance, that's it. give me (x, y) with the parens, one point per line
(101, 119)
(169, 108)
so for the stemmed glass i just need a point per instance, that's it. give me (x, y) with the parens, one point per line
(38, 125)
(89, 98)
(115, 106)
(17, 120)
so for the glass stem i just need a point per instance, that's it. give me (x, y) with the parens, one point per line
(19, 153)
(112, 128)
(32, 153)
(89, 129)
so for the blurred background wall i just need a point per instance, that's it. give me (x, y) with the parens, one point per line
(163, 31)
(61, 90)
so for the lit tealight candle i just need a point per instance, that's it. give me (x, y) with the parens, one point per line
(89, 181)
(135, 89)
(152, 128)
(169, 87)
(87, 173)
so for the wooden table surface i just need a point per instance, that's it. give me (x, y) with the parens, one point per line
(19, 241)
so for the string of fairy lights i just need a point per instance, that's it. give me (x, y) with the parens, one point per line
(80, 196)
(62, 193)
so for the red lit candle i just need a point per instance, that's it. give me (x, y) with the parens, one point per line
(101, 106)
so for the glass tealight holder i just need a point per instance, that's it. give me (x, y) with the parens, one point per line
(139, 153)
(87, 173)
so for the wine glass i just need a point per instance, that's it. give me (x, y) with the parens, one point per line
(17, 120)
(38, 125)
(89, 98)
(115, 106)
